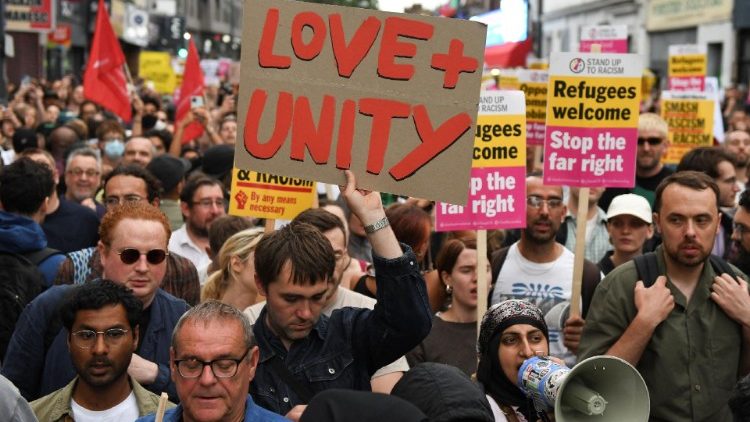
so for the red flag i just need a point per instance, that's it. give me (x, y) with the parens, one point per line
(104, 82)
(192, 86)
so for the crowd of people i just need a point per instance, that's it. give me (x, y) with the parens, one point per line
(122, 278)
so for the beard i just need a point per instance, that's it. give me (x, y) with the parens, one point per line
(693, 261)
(540, 238)
(200, 231)
(116, 372)
(740, 257)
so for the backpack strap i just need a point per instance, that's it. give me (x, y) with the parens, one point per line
(37, 257)
(591, 279)
(721, 266)
(647, 267)
(496, 263)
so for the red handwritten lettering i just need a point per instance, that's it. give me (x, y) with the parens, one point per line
(305, 134)
(266, 58)
(348, 57)
(252, 124)
(310, 50)
(391, 47)
(382, 112)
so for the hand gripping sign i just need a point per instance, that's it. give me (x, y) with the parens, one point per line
(391, 97)
(592, 119)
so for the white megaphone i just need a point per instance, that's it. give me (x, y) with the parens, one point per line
(600, 388)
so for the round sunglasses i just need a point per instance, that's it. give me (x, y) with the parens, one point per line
(131, 256)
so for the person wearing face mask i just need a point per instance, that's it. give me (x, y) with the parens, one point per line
(111, 137)
(511, 332)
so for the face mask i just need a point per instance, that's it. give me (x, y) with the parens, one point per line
(114, 149)
(160, 125)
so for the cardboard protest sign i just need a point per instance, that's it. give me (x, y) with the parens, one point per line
(156, 66)
(391, 97)
(610, 38)
(592, 119)
(533, 83)
(687, 67)
(29, 16)
(268, 196)
(690, 118)
(497, 196)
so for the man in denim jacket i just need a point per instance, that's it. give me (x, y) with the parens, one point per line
(303, 352)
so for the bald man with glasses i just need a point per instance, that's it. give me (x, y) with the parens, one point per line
(133, 253)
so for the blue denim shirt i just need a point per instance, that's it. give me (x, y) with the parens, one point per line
(37, 372)
(253, 413)
(343, 351)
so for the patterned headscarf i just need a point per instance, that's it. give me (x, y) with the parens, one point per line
(507, 313)
(504, 391)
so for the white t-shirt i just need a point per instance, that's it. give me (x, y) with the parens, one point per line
(547, 285)
(127, 410)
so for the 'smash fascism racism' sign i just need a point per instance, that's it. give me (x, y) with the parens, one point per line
(690, 117)
(592, 119)
(392, 97)
(497, 192)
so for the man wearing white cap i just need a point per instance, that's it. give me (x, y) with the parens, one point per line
(629, 226)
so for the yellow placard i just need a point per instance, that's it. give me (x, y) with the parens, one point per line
(499, 141)
(691, 123)
(593, 102)
(687, 65)
(536, 101)
(155, 66)
(264, 195)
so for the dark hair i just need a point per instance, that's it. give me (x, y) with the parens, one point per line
(194, 183)
(223, 228)
(153, 185)
(448, 256)
(308, 252)
(148, 99)
(322, 220)
(24, 185)
(744, 201)
(164, 135)
(96, 295)
(109, 126)
(705, 160)
(690, 179)
(408, 223)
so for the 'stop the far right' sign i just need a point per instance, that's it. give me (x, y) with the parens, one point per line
(592, 119)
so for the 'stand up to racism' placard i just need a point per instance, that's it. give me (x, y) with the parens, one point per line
(592, 119)
(269, 196)
(497, 195)
(392, 97)
(690, 116)
(533, 83)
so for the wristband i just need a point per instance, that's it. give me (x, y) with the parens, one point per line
(380, 224)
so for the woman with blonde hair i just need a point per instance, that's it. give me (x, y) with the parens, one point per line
(234, 282)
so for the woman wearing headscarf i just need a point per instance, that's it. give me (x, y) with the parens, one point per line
(511, 332)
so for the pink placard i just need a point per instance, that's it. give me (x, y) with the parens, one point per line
(687, 83)
(535, 133)
(497, 200)
(590, 157)
(608, 46)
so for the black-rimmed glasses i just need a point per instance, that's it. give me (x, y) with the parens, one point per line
(221, 368)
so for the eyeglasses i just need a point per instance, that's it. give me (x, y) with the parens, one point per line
(132, 255)
(221, 368)
(113, 201)
(80, 172)
(86, 339)
(741, 229)
(534, 201)
(208, 203)
(652, 140)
